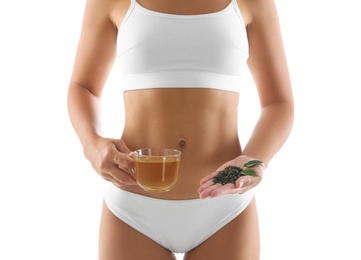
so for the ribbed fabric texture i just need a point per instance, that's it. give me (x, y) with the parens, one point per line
(158, 50)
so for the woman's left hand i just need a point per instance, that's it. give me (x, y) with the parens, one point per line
(209, 189)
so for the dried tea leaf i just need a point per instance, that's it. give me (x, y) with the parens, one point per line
(228, 175)
(231, 173)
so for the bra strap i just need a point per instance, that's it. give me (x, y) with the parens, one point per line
(237, 9)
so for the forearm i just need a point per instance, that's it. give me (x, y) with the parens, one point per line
(270, 132)
(84, 112)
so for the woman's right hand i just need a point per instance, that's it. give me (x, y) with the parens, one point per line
(111, 158)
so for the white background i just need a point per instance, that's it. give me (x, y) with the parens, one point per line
(50, 197)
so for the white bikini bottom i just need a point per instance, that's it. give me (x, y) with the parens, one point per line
(178, 225)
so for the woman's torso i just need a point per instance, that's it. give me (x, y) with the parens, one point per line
(200, 122)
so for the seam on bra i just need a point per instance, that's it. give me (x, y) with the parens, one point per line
(238, 11)
(128, 13)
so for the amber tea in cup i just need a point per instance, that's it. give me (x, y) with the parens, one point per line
(156, 168)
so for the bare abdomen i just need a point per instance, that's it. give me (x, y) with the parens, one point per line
(201, 123)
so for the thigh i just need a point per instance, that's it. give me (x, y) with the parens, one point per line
(238, 240)
(119, 241)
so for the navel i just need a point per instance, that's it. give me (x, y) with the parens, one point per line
(182, 144)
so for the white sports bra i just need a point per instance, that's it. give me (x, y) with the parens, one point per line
(160, 50)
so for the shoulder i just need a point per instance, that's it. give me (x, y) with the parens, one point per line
(255, 10)
(118, 10)
(111, 10)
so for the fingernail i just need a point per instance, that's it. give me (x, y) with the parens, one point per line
(201, 196)
(241, 185)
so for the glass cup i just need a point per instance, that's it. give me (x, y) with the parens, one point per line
(156, 168)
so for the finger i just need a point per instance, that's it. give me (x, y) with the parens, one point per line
(205, 186)
(123, 177)
(245, 183)
(208, 177)
(213, 190)
(242, 182)
(223, 190)
(218, 190)
(121, 146)
(110, 178)
(124, 162)
(208, 191)
(132, 172)
(114, 181)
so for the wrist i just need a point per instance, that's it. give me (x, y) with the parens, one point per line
(89, 144)
(242, 159)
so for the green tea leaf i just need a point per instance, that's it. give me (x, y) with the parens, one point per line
(228, 175)
(250, 172)
(252, 163)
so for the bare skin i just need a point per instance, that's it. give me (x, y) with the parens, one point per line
(202, 123)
